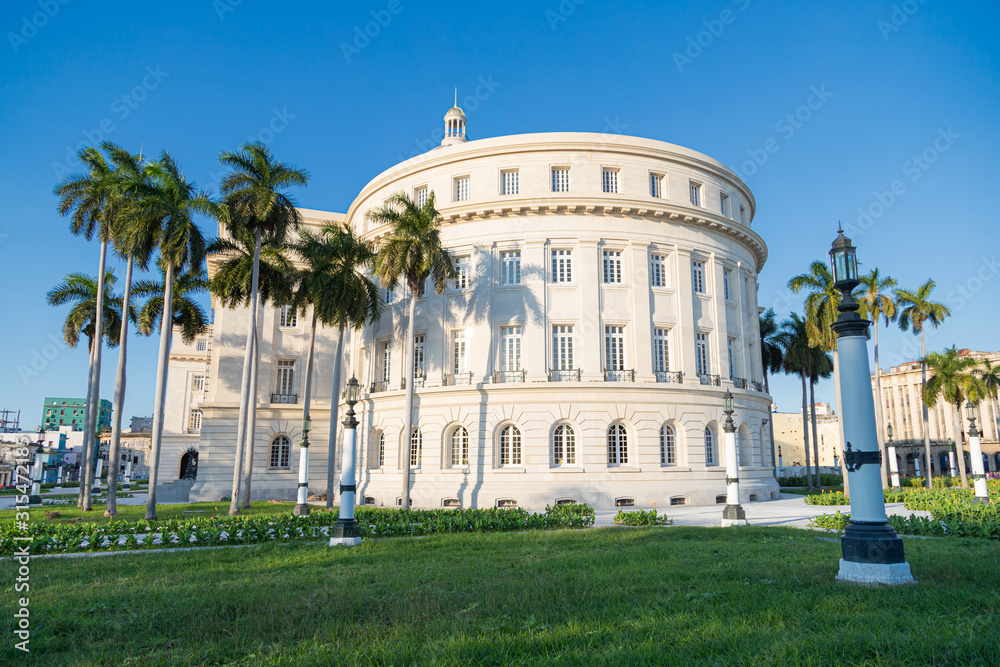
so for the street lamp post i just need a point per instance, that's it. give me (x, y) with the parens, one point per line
(781, 471)
(128, 470)
(97, 477)
(346, 531)
(836, 467)
(872, 552)
(302, 507)
(976, 452)
(35, 498)
(893, 463)
(733, 514)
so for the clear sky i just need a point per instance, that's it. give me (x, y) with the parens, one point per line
(883, 115)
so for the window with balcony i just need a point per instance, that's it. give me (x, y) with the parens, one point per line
(661, 350)
(614, 348)
(562, 347)
(510, 348)
(418, 358)
(286, 377)
(701, 353)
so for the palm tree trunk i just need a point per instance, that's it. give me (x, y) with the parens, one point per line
(93, 405)
(840, 418)
(251, 438)
(331, 460)
(812, 410)
(959, 446)
(86, 427)
(408, 410)
(923, 409)
(159, 400)
(245, 407)
(805, 434)
(879, 415)
(770, 431)
(114, 450)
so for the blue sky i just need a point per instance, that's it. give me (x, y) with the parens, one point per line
(880, 114)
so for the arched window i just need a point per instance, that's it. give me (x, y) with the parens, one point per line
(709, 447)
(378, 450)
(459, 447)
(668, 445)
(564, 445)
(743, 446)
(416, 443)
(281, 448)
(510, 446)
(617, 445)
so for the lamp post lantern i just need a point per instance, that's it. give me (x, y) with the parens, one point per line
(346, 531)
(976, 452)
(302, 507)
(733, 514)
(872, 552)
(893, 463)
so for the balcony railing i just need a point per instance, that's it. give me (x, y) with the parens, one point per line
(705, 378)
(508, 376)
(619, 376)
(570, 375)
(756, 386)
(284, 398)
(456, 379)
(418, 382)
(739, 383)
(669, 376)
(381, 385)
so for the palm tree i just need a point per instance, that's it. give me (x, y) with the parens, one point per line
(333, 285)
(794, 339)
(412, 253)
(167, 204)
(877, 304)
(818, 364)
(81, 290)
(955, 379)
(252, 189)
(917, 309)
(771, 356)
(990, 375)
(188, 315)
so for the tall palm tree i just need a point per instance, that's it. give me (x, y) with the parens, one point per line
(818, 365)
(412, 253)
(955, 379)
(794, 339)
(253, 189)
(877, 303)
(990, 375)
(916, 310)
(334, 287)
(771, 357)
(81, 290)
(167, 204)
(188, 315)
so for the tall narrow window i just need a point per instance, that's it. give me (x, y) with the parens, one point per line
(709, 447)
(378, 451)
(562, 266)
(695, 190)
(510, 348)
(655, 185)
(281, 448)
(387, 296)
(612, 266)
(698, 276)
(462, 188)
(287, 317)
(614, 348)
(564, 445)
(701, 353)
(386, 360)
(202, 345)
(286, 377)
(510, 446)
(562, 347)
(459, 447)
(610, 180)
(198, 383)
(658, 271)
(420, 196)
(560, 179)
(416, 445)
(725, 284)
(418, 356)
(617, 445)
(668, 445)
(460, 356)
(724, 204)
(509, 182)
(730, 349)
(661, 350)
(463, 269)
(510, 268)
(194, 423)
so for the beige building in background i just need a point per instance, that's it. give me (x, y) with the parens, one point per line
(788, 437)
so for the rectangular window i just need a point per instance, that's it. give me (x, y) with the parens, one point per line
(731, 350)
(562, 348)
(286, 377)
(194, 423)
(510, 348)
(560, 179)
(612, 266)
(562, 266)
(509, 182)
(510, 268)
(658, 271)
(695, 189)
(460, 356)
(386, 360)
(288, 317)
(387, 296)
(725, 284)
(661, 350)
(202, 346)
(724, 204)
(198, 383)
(464, 272)
(614, 348)
(418, 356)
(698, 276)
(655, 185)
(462, 188)
(420, 196)
(610, 180)
(701, 353)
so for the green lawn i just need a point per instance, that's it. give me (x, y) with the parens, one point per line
(135, 512)
(605, 596)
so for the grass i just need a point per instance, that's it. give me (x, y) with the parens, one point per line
(635, 596)
(163, 512)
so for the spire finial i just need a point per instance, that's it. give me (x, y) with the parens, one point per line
(840, 228)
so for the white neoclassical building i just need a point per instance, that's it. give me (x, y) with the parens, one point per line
(605, 300)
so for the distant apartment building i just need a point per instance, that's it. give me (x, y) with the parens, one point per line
(788, 436)
(141, 424)
(58, 412)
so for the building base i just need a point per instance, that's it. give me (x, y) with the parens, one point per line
(346, 532)
(984, 501)
(345, 541)
(34, 501)
(300, 510)
(875, 573)
(733, 515)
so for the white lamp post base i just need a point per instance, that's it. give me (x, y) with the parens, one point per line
(345, 541)
(875, 573)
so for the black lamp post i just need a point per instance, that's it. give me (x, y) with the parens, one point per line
(346, 531)
(976, 453)
(872, 552)
(302, 506)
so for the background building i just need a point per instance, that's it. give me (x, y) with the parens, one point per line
(788, 435)
(141, 424)
(58, 412)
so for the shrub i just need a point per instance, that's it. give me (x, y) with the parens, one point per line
(824, 480)
(641, 518)
(827, 498)
(835, 521)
